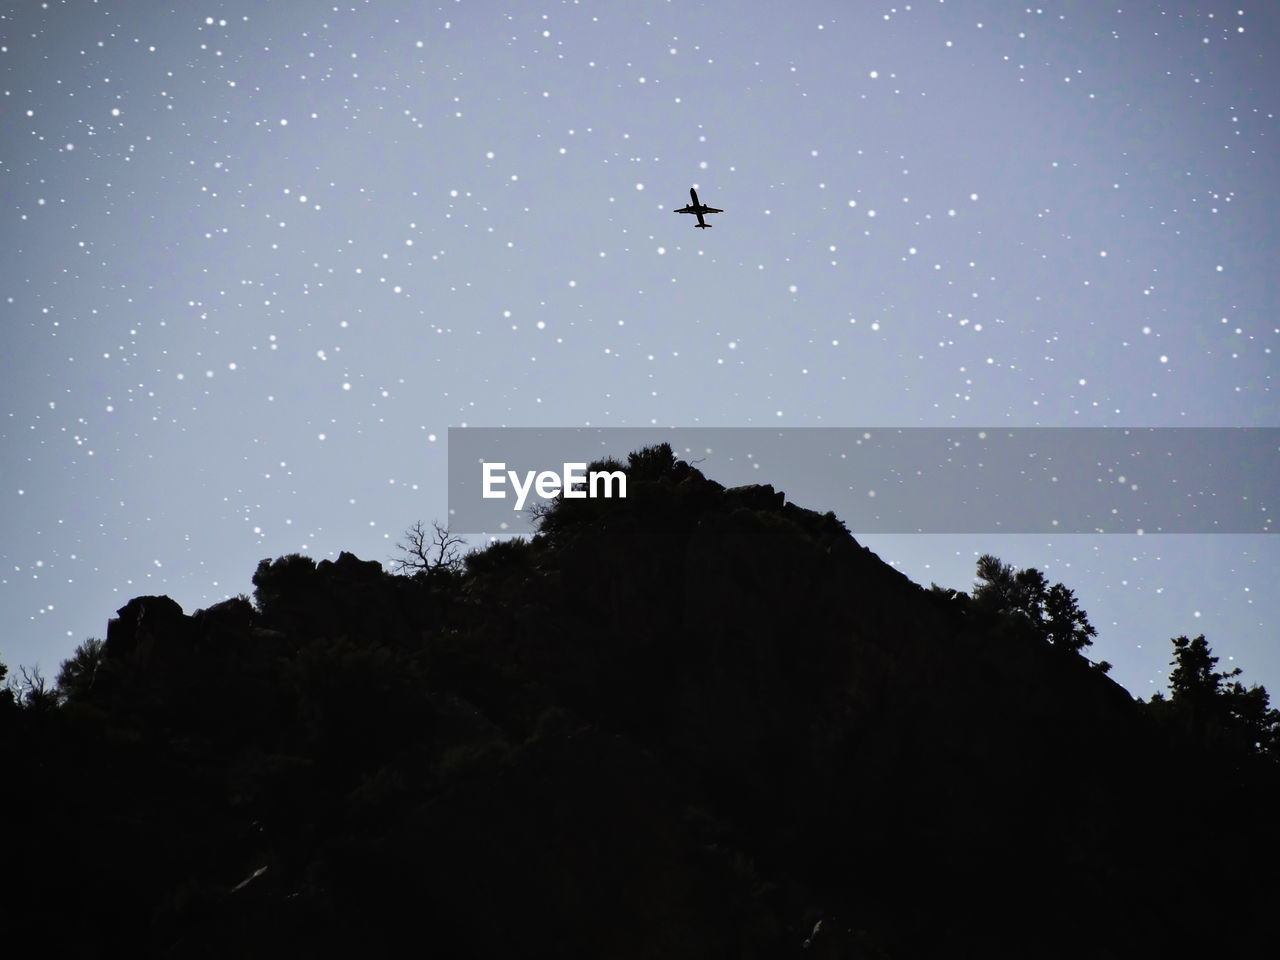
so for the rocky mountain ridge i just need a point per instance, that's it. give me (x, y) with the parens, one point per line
(701, 722)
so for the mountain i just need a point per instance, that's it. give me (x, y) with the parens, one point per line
(699, 722)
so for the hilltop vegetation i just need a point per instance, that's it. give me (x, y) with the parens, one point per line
(696, 723)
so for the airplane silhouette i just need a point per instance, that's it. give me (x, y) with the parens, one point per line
(698, 209)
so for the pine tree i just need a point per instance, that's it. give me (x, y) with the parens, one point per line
(1052, 612)
(1193, 681)
(1067, 627)
(1216, 704)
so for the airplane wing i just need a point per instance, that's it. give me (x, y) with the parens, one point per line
(685, 209)
(711, 210)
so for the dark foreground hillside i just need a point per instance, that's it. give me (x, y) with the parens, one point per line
(698, 723)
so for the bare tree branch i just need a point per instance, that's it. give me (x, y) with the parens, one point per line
(540, 509)
(32, 691)
(427, 552)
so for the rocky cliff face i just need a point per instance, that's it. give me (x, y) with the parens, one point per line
(697, 723)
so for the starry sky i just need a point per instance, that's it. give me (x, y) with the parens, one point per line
(257, 258)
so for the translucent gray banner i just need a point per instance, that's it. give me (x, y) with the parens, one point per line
(909, 479)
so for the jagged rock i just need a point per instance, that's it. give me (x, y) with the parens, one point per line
(232, 614)
(140, 624)
(350, 568)
(755, 496)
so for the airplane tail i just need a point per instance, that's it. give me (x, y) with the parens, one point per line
(703, 226)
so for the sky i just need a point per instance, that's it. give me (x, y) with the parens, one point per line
(257, 258)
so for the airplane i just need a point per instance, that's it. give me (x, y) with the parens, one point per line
(697, 209)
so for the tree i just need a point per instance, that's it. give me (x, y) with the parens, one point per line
(1052, 612)
(78, 673)
(7, 698)
(651, 463)
(427, 553)
(1193, 681)
(1211, 704)
(1067, 627)
(996, 588)
(32, 691)
(1259, 723)
(1029, 590)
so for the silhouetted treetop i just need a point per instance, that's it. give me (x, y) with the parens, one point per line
(1051, 613)
(78, 673)
(427, 553)
(1215, 705)
(7, 698)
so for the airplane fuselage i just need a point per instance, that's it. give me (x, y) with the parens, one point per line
(698, 209)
